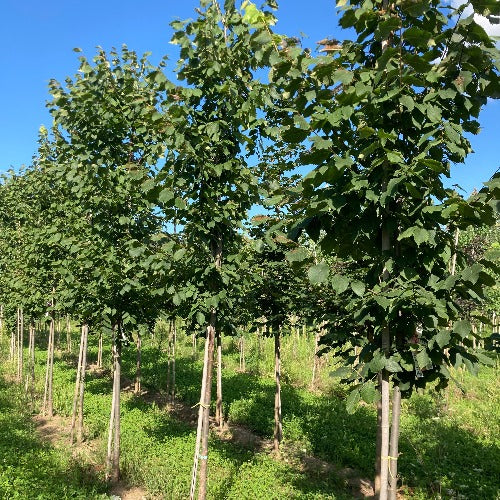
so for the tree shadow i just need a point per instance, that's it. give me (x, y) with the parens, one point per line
(31, 468)
(447, 461)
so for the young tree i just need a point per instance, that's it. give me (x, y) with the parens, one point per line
(215, 125)
(386, 117)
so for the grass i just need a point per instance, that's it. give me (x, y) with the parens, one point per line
(449, 443)
(33, 469)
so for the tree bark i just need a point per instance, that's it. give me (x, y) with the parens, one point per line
(77, 387)
(79, 433)
(48, 401)
(378, 453)
(174, 345)
(278, 430)
(99, 351)
(20, 339)
(137, 389)
(200, 420)
(394, 451)
(69, 347)
(113, 458)
(202, 491)
(319, 332)
(219, 416)
(169, 359)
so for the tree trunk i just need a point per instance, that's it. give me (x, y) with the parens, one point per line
(48, 401)
(20, 335)
(200, 419)
(174, 345)
(278, 430)
(194, 346)
(378, 453)
(1, 322)
(169, 359)
(99, 351)
(79, 432)
(77, 387)
(137, 389)
(113, 458)
(219, 416)
(69, 347)
(242, 354)
(216, 247)
(319, 332)
(30, 376)
(202, 492)
(58, 331)
(12, 351)
(394, 451)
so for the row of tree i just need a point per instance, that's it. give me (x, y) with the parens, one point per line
(137, 201)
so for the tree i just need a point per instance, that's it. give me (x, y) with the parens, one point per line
(214, 128)
(386, 115)
(105, 146)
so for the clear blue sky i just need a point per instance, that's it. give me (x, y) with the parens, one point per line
(37, 38)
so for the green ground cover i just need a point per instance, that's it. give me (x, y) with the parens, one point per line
(449, 443)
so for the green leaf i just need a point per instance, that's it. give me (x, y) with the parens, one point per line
(342, 372)
(391, 365)
(339, 283)
(358, 287)
(165, 195)
(462, 327)
(319, 273)
(200, 318)
(407, 102)
(423, 359)
(352, 400)
(297, 255)
(378, 362)
(369, 393)
(443, 338)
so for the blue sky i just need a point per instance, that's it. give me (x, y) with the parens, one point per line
(37, 38)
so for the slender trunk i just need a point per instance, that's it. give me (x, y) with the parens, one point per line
(384, 449)
(47, 406)
(58, 331)
(194, 346)
(169, 358)
(46, 386)
(111, 424)
(32, 365)
(239, 349)
(216, 247)
(20, 335)
(454, 257)
(1, 321)
(174, 345)
(79, 433)
(278, 430)
(242, 354)
(68, 334)
(137, 389)
(316, 358)
(12, 351)
(394, 451)
(202, 491)
(379, 439)
(115, 460)
(50, 395)
(77, 387)
(99, 351)
(200, 420)
(219, 417)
